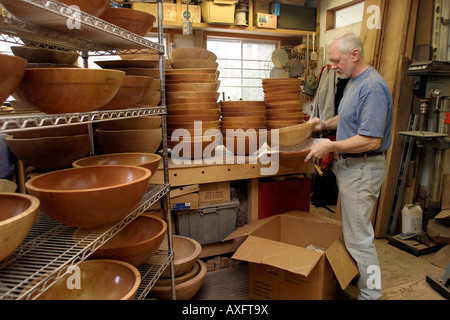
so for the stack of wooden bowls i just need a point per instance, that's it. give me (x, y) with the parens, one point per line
(50, 148)
(191, 89)
(241, 124)
(284, 102)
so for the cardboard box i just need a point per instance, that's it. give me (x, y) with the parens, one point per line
(265, 20)
(192, 12)
(185, 202)
(280, 265)
(214, 193)
(261, 6)
(218, 11)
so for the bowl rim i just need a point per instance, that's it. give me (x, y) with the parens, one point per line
(76, 136)
(32, 208)
(76, 163)
(29, 184)
(197, 251)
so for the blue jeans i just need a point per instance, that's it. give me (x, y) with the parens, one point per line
(359, 181)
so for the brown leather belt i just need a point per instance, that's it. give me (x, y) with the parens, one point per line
(360, 155)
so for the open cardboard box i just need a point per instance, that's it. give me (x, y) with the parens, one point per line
(280, 265)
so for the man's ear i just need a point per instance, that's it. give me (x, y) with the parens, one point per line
(355, 55)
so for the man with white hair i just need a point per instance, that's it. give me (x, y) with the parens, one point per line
(363, 135)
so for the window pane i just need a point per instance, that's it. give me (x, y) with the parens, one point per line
(349, 15)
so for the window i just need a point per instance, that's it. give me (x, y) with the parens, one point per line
(344, 16)
(242, 66)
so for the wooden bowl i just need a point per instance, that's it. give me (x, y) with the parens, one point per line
(195, 124)
(145, 122)
(244, 113)
(191, 70)
(186, 100)
(12, 69)
(102, 279)
(293, 159)
(194, 63)
(68, 90)
(42, 55)
(135, 21)
(293, 135)
(95, 8)
(90, 197)
(151, 98)
(241, 103)
(190, 112)
(285, 104)
(199, 106)
(140, 56)
(185, 290)
(236, 123)
(292, 117)
(147, 72)
(125, 141)
(16, 219)
(146, 160)
(194, 147)
(192, 53)
(198, 117)
(58, 131)
(191, 77)
(186, 252)
(194, 86)
(134, 244)
(50, 153)
(132, 90)
(281, 82)
(243, 145)
(278, 124)
(193, 96)
(181, 278)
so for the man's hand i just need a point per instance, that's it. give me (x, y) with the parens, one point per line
(318, 124)
(319, 150)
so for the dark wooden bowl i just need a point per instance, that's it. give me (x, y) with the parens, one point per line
(12, 69)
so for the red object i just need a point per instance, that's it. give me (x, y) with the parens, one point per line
(278, 197)
(447, 118)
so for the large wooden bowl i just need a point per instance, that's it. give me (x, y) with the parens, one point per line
(243, 145)
(95, 8)
(90, 197)
(191, 70)
(145, 122)
(134, 244)
(293, 135)
(102, 279)
(278, 124)
(192, 96)
(190, 112)
(147, 72)
(192, 125)
(285, 104)
(146, 160)
(135, 21)
(184, 290)
(42, 55)
(124, 141)
(241, 103)
(281, 82)
(58, 131)
(186, 252)
(293, 159)
(12, 70)
(199, 106)
(50, 152)
(191, 77)
(16, 219)
(67, 90)
(194, 147)
(192, 53)
(194, 63)
(198, 117)
(151, 98)
(132, 90)
(194, 86)
(244, 123)
(181, 278)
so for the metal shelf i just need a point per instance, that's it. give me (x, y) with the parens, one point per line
(45, 23)
(50, 248)
(29, 121)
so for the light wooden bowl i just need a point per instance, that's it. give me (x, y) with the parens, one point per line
(192, 125)
(185, 290)
(243, 145)
(132, 90)
(181, 278)
(49, 153)
(151, 98)
(95, 8)
(242, 103)
(125, 141)
(293, 135)
(135, 21)
(59, 131)
(198, 117)
(16, 219)
(236, 123)
(42, 55)
(293, 159)
(186, 253)
(194, 86)
(90, 197)
(150, 161)
(140, 56)
(199, 106)
(186, 100)
(243, 113)
(285, 105)
(145, 122)
(102, 279)
(12, 69)
(190, 112)
(192, 53)
(192, 96)
(281, 81)
(191, 77)
(284, 96)
(195, 147)
(194, 63)
(68, 90)
(191, 70)
(278, 124)
(134, 244)
(147, 72)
